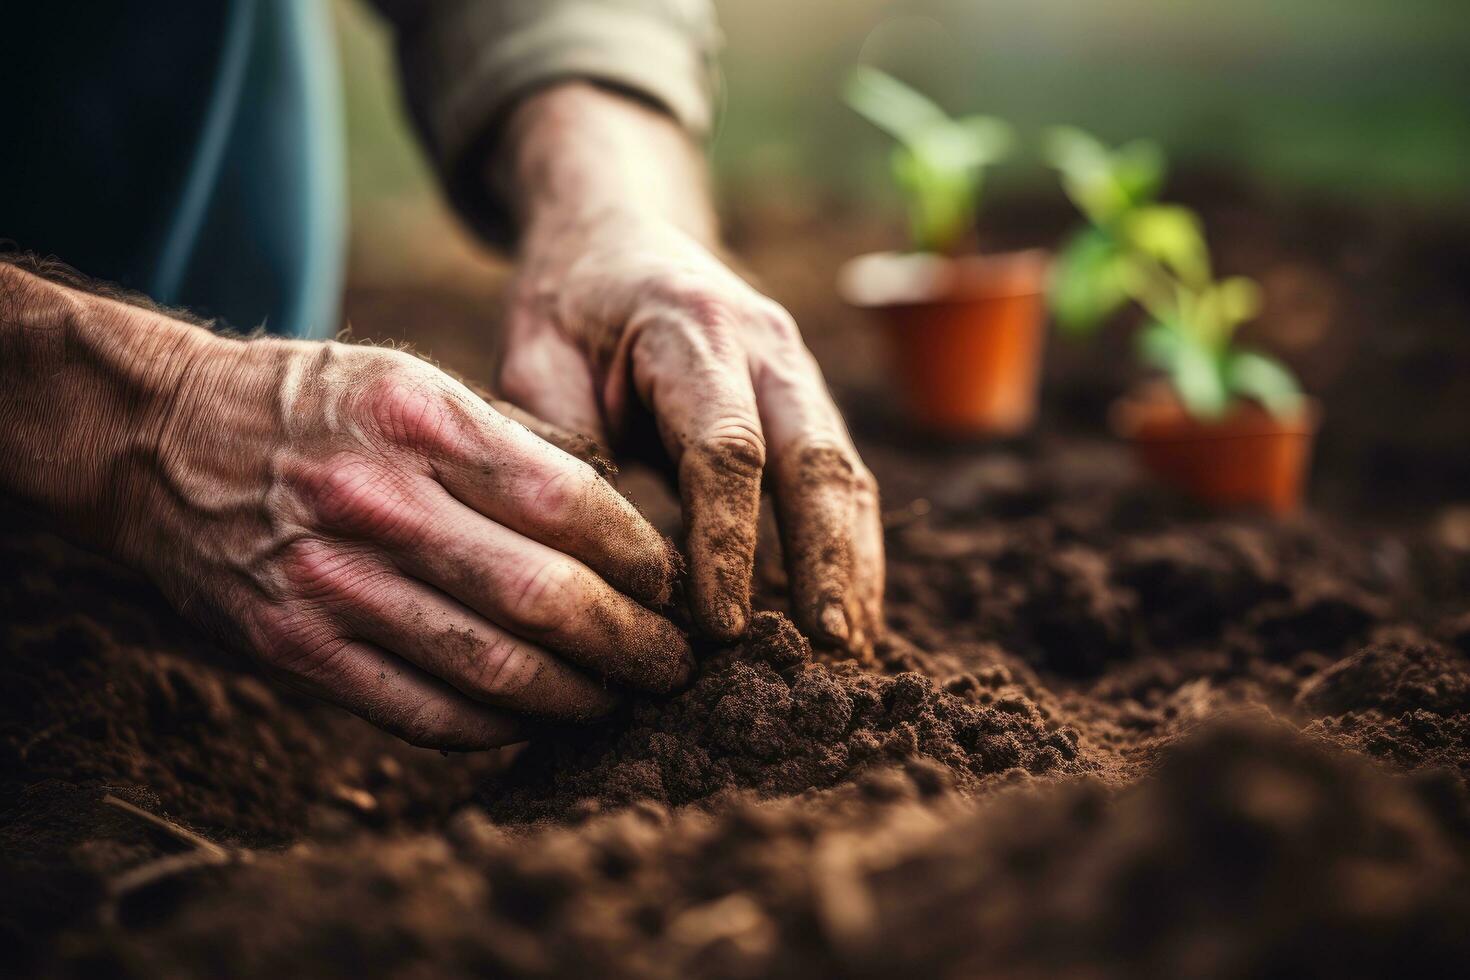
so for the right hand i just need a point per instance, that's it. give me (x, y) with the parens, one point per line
(382, 537)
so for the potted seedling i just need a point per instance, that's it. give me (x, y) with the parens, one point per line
(1227, 425)
(964, 331)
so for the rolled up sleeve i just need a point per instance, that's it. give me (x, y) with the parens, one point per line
(465, 64)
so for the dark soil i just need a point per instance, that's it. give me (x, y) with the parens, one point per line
(1109, 736)
(762, 717)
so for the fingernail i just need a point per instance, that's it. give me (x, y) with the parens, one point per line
(834, 623)
(730, 621)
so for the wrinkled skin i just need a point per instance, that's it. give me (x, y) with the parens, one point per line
(622, 307)
(368, 527)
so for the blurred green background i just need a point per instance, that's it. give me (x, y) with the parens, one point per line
(1358, 98)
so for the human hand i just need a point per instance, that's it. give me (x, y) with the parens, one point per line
(365, 525)
(616, 312)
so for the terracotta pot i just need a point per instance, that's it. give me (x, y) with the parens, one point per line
(1249, 458)
(964, 335)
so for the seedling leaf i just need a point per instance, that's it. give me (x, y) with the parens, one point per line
(1238, 299)
(1158, 345)
(1104, 184)
(889, 104)
(1074, 152)
(938, 162)
(1138, 168)
(1251, 374)
(991, 139)
(1087, 285)
(1172, 235)
(1195, 372)
(1156, 255)
(1085, 166)
(941, 200)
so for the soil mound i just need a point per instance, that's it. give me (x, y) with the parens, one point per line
(761, 716)
(1403, 699)
(1393, 676)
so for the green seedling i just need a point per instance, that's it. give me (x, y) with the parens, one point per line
(938, 163)
(1135, 249)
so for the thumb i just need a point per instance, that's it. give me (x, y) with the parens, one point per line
(588, 450)
(542, 373)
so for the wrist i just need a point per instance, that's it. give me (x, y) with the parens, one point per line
(575, 154)
(88, 381)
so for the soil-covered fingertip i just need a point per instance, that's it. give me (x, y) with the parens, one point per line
(720, 491)
(637, 649)
(653, 581)
(834, 623)
(724, 624)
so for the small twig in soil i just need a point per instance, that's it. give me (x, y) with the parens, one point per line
(181, 834)
(202, 853)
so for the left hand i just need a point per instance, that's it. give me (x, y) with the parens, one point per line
(616, 312)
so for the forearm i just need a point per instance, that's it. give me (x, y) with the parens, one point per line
(85, 382)
(575, 151)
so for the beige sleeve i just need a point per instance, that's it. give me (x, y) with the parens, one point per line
(465, 63)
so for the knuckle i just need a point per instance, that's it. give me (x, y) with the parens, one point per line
(775, 323)
(684, 287)
(708, 344)
(707, 312)
(499, 670)
(299, 643)
(718, 315)
(348, 491)
(823, 457)
(311, 568)
(316, 571)
(407, 406)
(693, 307)
(734, 446)
(543, 597)
(564, 493)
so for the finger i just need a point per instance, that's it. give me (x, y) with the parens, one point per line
(427, 628)
(583, 447)
(826, 501)
(544, 374)
(868, 566)
(578, 445)
(695, 380)
(505, 472)
(398, 697)
(815, 494)
(521, 585)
